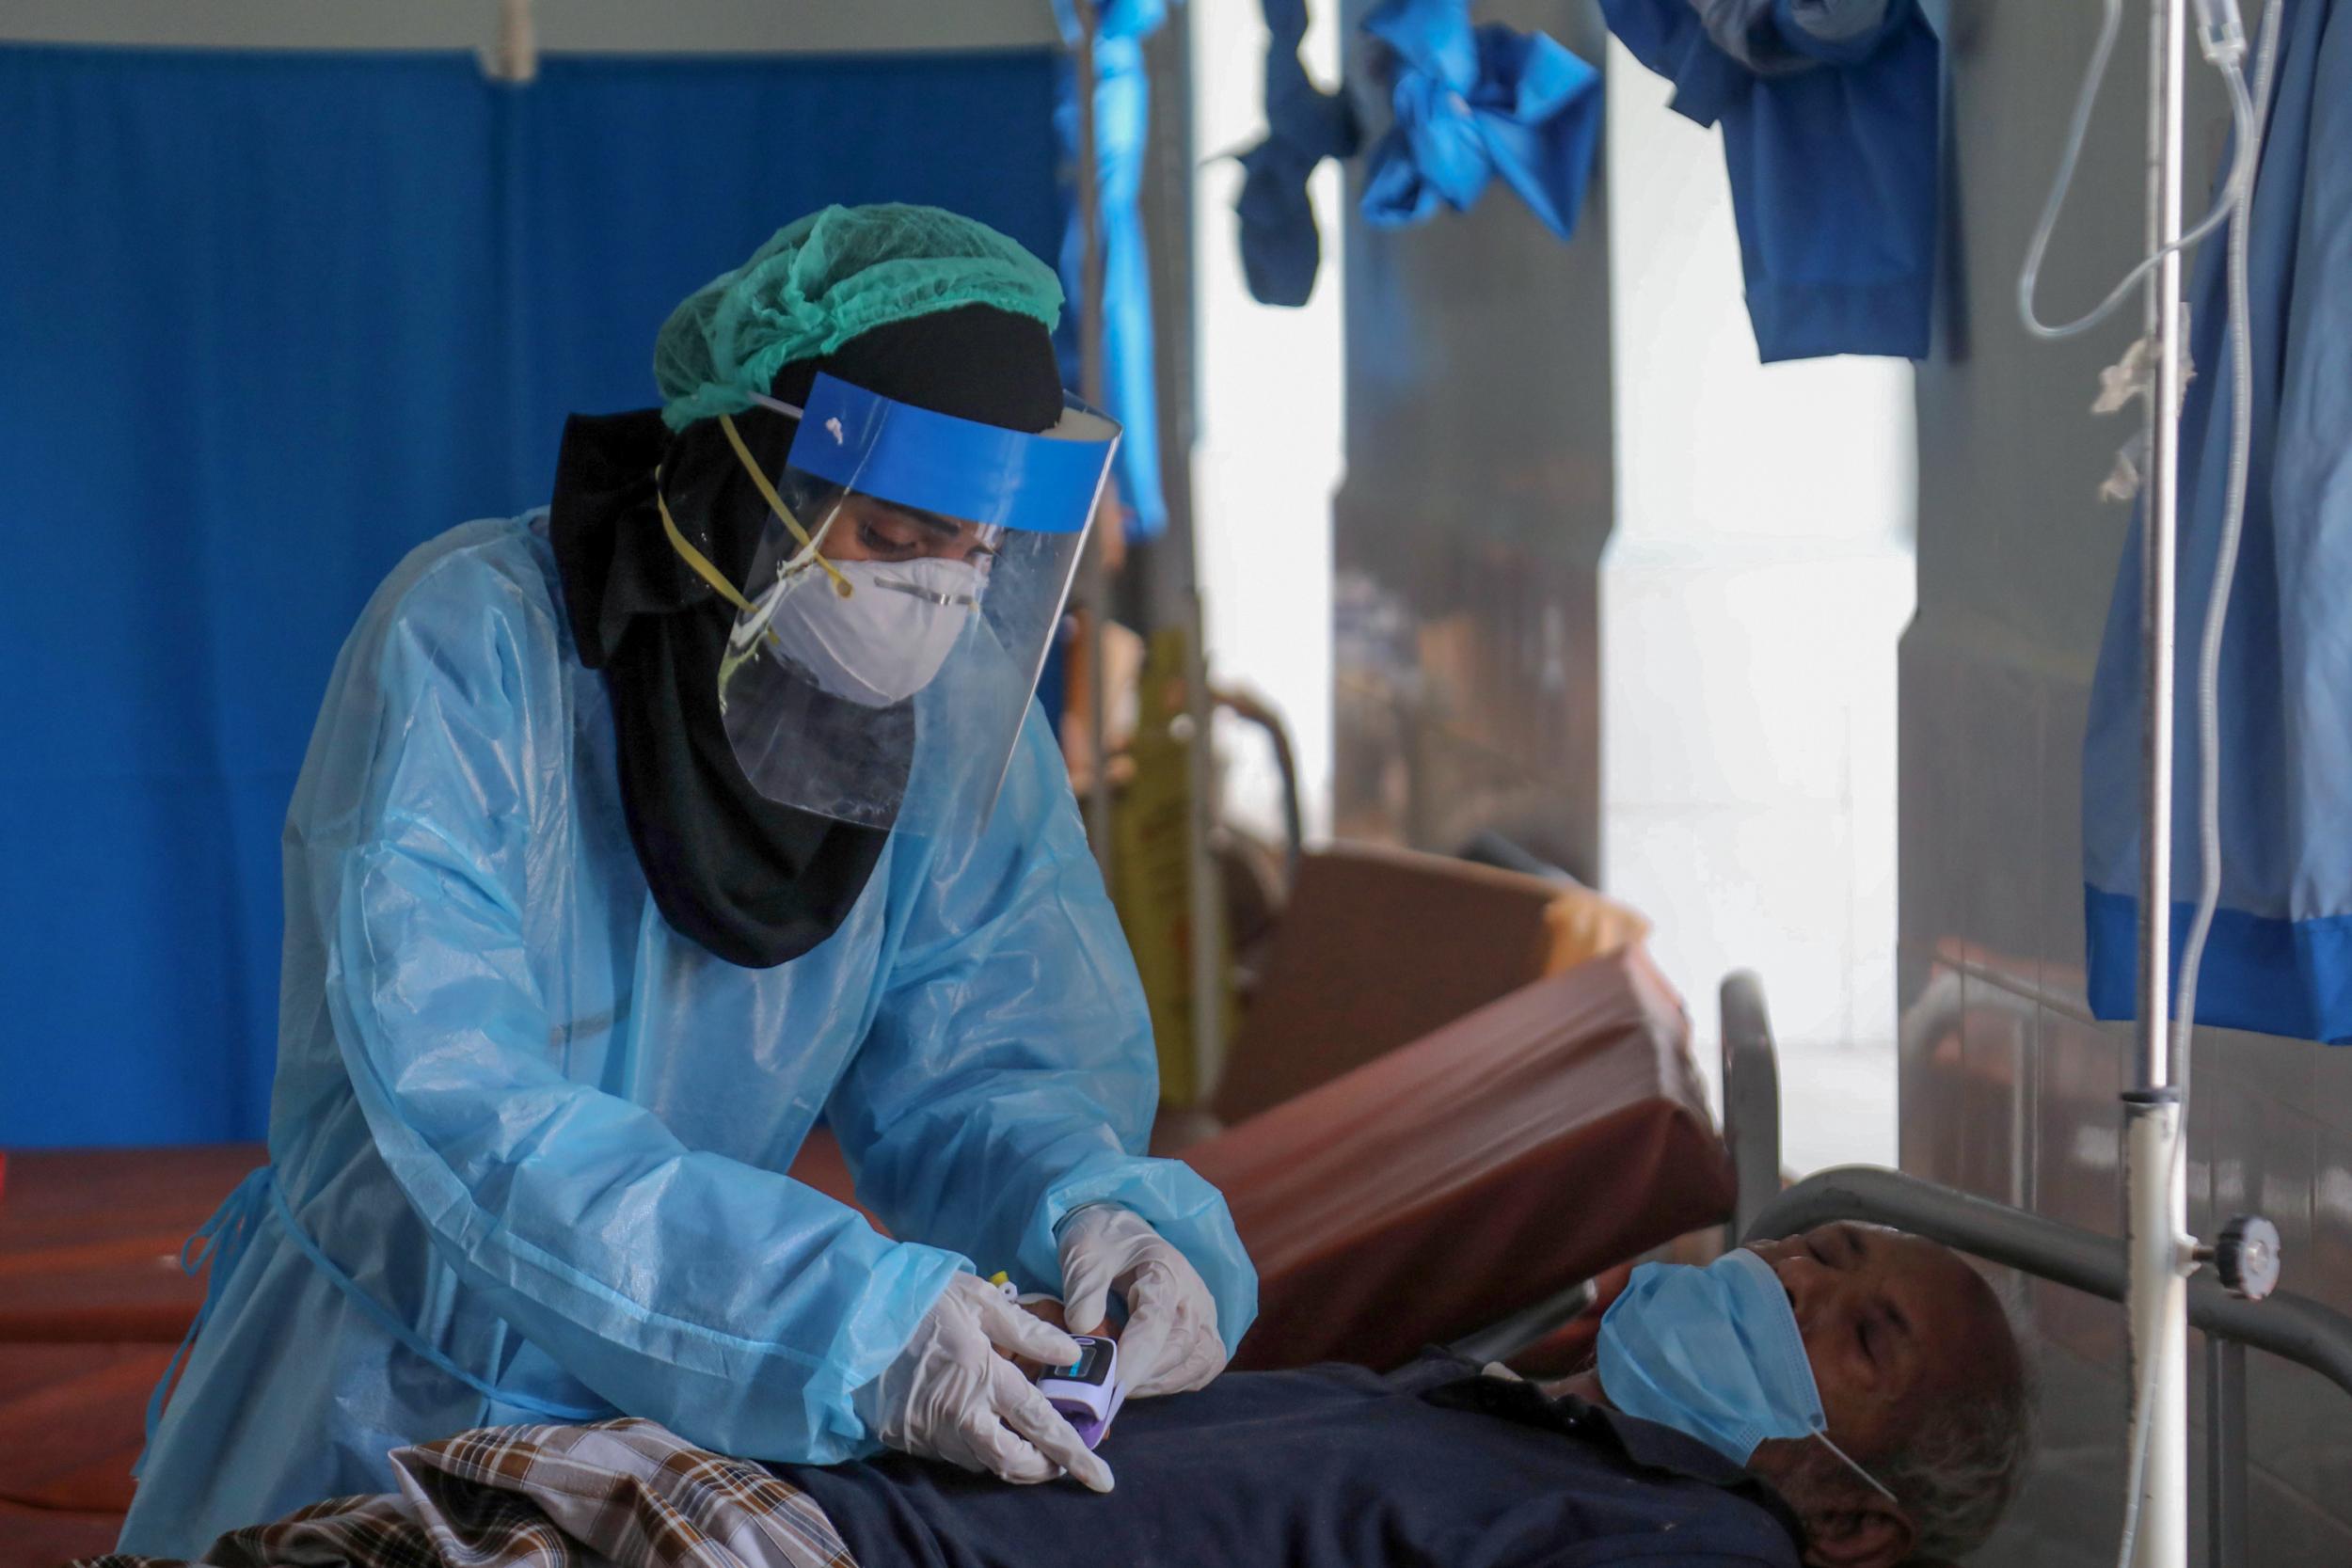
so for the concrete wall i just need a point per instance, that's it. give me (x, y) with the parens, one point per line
(1607, 585)
(1269, 456)
(1751, 595)
(1467, 535)
(2007, 1088)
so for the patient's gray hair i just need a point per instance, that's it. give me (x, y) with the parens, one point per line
(1966, 1457)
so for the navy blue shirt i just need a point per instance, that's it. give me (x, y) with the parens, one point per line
(1335, 1467)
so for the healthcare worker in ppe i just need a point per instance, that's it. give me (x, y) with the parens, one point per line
(639, 834)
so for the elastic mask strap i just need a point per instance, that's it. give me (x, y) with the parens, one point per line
(711, 575)
(718, 580)
(775, 503)
(694, 558)
(751, 630)
(1857, 1469)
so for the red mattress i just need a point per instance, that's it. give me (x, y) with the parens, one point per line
(1486, 1166)
(91, 1304)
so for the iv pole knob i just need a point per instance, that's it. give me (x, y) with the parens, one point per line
(2246, 1257)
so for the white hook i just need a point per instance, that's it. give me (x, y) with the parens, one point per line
(515, 58)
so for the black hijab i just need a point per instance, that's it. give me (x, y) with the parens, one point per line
(755, 883)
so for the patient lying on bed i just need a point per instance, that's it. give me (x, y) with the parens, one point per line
(1337, 1468)
(1333, 1466)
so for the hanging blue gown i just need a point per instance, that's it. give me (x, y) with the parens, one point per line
(1831, 116)
(2279, 958)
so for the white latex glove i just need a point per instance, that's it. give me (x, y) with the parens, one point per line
(1171, 1343)
(949, 1395)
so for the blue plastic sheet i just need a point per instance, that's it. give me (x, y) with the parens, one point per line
(270, 320)
(1122, 119)
(2280, 956)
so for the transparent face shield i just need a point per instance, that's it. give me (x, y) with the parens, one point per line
(899, 604)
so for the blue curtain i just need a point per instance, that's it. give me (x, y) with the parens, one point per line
(267, 322)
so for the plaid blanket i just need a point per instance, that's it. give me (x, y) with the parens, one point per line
(622, 1493)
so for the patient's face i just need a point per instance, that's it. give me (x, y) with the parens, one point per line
(1889, 1321)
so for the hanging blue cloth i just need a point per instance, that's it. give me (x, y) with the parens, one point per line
(1122, 115)
(1281, 247)
(2280, 956)
(1829, 111)
(1472, 104)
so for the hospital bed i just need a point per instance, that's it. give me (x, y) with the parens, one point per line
(1480, 1175)
(2232, 1304)
(91, 1304)
(1464, 1186)
(1483, 1176)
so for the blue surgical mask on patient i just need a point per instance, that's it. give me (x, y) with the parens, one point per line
(1715, 1354)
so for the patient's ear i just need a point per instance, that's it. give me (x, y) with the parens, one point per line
(1869, 1533)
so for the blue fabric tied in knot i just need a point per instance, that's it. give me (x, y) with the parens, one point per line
(1475, 103)
(218, 1245)
(1282, 247)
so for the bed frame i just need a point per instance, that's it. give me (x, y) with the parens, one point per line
(2282, 1323)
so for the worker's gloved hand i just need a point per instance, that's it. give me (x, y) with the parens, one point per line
(949, 1395)
(1171, 1343)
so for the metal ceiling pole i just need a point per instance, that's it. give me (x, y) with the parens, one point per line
(2156, 1205)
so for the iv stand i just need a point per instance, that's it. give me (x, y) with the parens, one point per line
(2159, 1252)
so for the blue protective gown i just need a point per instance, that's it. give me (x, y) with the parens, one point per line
(2280, 956)
(524, 1134)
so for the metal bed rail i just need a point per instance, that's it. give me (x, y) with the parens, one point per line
(1528, 1326)
(1750, 1099)
(2293, 1327)
(2284, 1325)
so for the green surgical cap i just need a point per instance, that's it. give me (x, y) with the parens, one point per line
(825, 279)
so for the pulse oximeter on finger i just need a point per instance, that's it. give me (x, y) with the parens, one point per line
(1087, 1392)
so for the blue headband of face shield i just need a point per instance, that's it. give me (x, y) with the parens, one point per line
(1715, 1354)
(1045, 482)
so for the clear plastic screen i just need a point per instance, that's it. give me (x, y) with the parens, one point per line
(901, 601)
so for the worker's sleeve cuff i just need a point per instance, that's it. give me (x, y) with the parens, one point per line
(1178, 1204)
(882, 1317)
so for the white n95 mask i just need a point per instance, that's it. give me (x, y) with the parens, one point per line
(884, 641)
